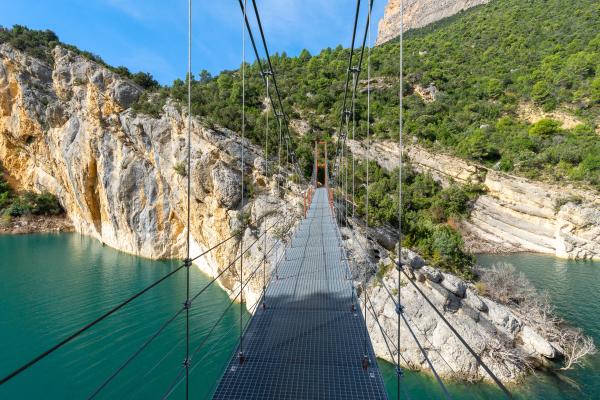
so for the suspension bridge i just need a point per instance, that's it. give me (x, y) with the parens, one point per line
(310, 340)
(308, 337)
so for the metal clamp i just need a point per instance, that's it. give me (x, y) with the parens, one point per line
(187, 262)
(399, 309)
(354, 70)
(399, 372)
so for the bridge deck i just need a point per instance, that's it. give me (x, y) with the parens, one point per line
(307, 344)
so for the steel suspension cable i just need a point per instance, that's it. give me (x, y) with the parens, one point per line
(232, 301)
(356, 70)
(353, 111)
(356, 14)
(243, 7)
(400, 144)
(459, 336)
(421, 331)
(360, 59)
(368, 159)
(102, 317)
(421, 349)
(387, 341)
(188, 262)
(138, 352)
(244, 25)
(168, 322)
(266, 152)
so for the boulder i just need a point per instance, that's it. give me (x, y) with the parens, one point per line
(446, 297)
(533, 342)
(503, 317)
(454, 284)
(432, 274)
(475, 301)
(412, 259)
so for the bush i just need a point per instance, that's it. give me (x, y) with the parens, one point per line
(45, 204)
(18, 208)
(181, 168)
(545, 128)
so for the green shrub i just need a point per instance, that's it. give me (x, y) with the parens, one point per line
(45, 204)
(545, 128)
(181, 168)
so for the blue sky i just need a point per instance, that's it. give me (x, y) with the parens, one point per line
(151, 35)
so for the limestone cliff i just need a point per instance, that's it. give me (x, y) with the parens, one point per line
(515, 214)
(66, 128)
(418, 13)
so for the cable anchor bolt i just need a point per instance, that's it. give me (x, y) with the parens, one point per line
(365, 363)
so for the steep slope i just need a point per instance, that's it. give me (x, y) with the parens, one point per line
(418, 13)
(66, 128)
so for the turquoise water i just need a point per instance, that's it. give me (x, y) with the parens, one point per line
(52, 284)
(574, 288)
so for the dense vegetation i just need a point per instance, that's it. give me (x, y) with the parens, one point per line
(28, 203)
(40, 44)
(430, 212)
(486, 63)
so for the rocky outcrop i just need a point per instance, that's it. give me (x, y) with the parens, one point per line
(498, 334)
(515, 214)
(507, 345)
(418, 13)
(66, 129)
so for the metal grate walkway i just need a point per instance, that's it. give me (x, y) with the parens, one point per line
(307, 344)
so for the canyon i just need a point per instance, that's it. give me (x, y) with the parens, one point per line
(68, 128)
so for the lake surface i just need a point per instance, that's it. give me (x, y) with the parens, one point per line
(52, 284)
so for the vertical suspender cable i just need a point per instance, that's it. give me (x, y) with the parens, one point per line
(368, 146)
(188, 261)
(241, 352)
(401, 147)
(354, 78)
(264, 288)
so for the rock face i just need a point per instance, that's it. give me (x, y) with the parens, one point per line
(495, 332)
(418, 13)
(515, 214)
(67, 129)
(504, 342)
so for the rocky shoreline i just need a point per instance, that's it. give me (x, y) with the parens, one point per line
(36, 224)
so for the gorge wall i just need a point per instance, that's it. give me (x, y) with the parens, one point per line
(418, 13)
(515, 214)
(66, 129)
